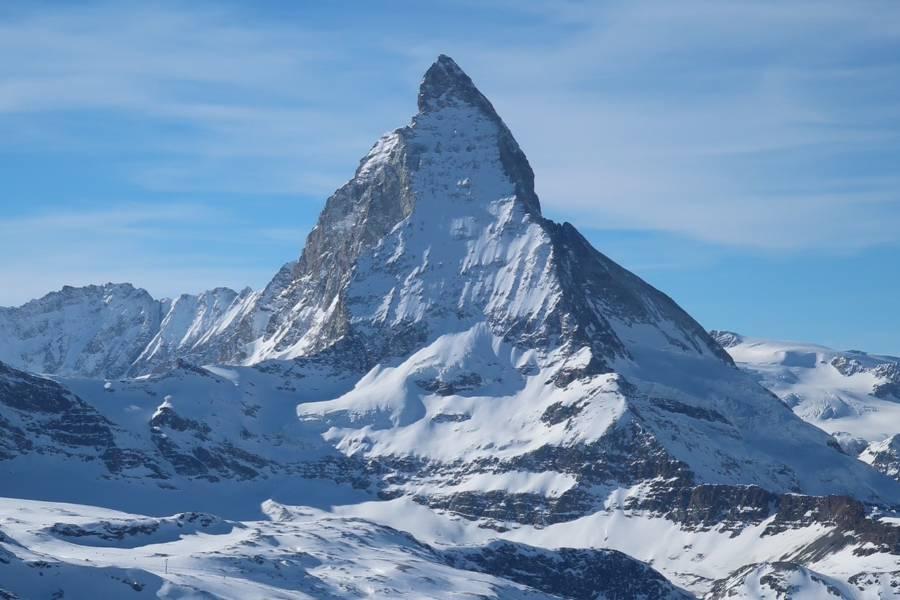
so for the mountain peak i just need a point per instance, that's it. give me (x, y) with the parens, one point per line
(446, 84)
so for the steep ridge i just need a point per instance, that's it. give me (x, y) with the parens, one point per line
(52, 438)
(205, 328)
(126, 443)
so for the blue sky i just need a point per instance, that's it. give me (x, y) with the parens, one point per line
(742, 157)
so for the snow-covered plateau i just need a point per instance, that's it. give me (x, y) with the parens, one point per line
(853, 395)
(446, 396)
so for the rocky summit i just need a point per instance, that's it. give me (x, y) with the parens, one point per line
(446, 394)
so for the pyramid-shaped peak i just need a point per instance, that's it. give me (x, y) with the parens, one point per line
(446, 64)
(446, 84)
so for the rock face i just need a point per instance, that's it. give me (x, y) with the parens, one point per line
(39, 417)
(580, 574)
(35, 407)
(884, 456)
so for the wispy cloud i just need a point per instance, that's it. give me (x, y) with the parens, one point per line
(761, 125)
(168, 249)
(199, 90)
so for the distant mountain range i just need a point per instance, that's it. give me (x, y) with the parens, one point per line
(853, 395)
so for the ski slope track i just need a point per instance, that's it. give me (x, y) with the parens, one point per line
(445, 395)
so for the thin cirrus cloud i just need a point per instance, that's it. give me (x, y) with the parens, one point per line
(224, 92)
(758, 126)
(172, 248)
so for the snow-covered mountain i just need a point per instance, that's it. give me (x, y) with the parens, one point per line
(95, 330)
(773, 581)
(827, 387)
(201, 327)
(853, 395)
(489, 339)
(114, 330)
(441, 360)
(373, 276)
